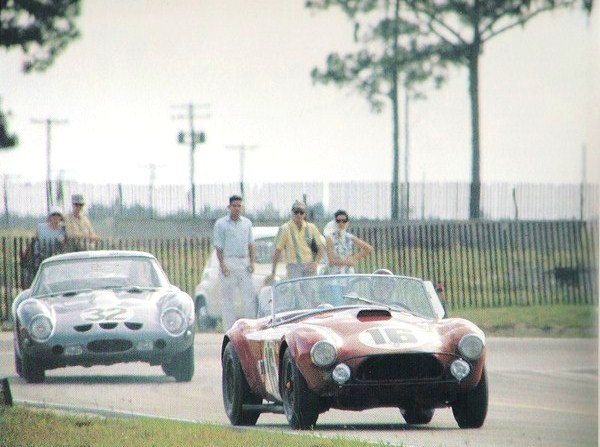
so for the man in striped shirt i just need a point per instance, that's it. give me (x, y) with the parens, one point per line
(300, 244)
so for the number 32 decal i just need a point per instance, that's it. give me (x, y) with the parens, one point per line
(99, 314)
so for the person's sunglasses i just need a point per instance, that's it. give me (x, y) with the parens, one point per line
(341, 220)
(299, 212)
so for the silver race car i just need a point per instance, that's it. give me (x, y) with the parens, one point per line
(101, 308)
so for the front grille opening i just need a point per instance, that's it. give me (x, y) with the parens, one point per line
(83, 327)
(400, 367)
(133, 326)
(110, 345)
(57, 349)
(108, 325)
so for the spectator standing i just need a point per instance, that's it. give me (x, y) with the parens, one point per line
(340, 247)
(300, 243)
(234, 244)
(51, 234)
(79, 230)
(49, 239)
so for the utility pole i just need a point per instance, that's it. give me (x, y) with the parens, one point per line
(152, 168)
(193, 138)
(242, 149)
(583, 182)
(406, 154)
(48, 122)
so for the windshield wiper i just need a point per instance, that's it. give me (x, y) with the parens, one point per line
(139, 289)
(72, 292)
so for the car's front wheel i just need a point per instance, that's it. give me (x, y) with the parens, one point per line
(31, 370)
(181, 366)
(18, 364)
(236, 391)
(417, 416)
(300, 403)
(470, 408)
(204, 321)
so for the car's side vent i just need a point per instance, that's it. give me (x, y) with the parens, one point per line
(82, 327)
(108, 325)
(373, 314)
(133, 326)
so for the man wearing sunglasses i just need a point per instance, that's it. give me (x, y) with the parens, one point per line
(299, 242)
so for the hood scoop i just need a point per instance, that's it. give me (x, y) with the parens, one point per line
(374, 315)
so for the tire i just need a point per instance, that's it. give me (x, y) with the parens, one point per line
(32, 371)
(181, 366)
(470, 408)
(203, 320)
(18, 365)
(300, 404)
(417, 416)
(236, 391)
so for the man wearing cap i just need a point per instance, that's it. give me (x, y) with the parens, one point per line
(300, 244)
(78, 228)
(234, 244)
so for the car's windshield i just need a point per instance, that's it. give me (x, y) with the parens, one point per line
(325, 292)
(263, 249)
(95, 273)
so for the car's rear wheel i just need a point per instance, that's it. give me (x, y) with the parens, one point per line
(300, 403)
(32, 371)
(236, 391)
(416, 416)
(470, 408)
(181, 366)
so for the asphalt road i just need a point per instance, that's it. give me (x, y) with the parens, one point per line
(543, 392)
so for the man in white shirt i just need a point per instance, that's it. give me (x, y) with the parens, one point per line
(234, 244)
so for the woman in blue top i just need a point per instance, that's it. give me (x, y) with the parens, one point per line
(51, 234)
(340, 247)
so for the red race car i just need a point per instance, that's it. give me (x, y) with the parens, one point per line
(353, 342)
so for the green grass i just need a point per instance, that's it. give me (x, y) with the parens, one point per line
(534, 321)
(22, 426)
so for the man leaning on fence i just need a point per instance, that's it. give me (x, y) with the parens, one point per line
(79, 230)
(300, 243)
(234, 244)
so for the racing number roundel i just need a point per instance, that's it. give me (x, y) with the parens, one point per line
(392, 337)
(107, 314)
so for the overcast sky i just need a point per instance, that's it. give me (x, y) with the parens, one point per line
(249, 62)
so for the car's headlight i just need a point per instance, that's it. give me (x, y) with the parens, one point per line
(173, 321)
(471, 346)
(40, 328)
(323, 353)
